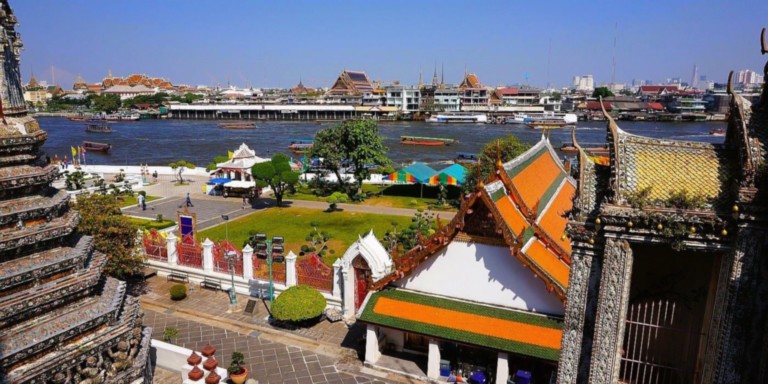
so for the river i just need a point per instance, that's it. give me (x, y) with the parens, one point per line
(159, 142)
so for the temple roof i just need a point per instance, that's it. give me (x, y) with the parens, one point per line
(470, 81)
(370, 249)
(351, 83)
(506, 330)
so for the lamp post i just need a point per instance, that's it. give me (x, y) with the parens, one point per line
(231, 256)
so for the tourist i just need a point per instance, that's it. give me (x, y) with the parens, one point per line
(245, 201)
(154, 176)
(142, 204)
(189, 201)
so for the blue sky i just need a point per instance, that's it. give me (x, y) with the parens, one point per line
(274, 43)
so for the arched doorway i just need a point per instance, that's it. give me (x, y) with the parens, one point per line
(362, 279)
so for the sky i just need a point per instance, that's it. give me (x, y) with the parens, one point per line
(277, 43)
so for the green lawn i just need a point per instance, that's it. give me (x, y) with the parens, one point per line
(294, 225)
(396, 196)
(133, 200)
(152, 224)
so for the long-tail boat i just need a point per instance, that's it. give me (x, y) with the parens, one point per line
(428, 141)
(96, 147)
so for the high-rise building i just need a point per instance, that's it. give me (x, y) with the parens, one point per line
(584, 83)
(61, 319)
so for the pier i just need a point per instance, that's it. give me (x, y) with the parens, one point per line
(276, 112)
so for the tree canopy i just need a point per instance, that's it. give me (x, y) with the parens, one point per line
(275, 174)
(506, 149)
(179, 167)
(107, 103)
(353, 142)
(602, 92)
(113, 234)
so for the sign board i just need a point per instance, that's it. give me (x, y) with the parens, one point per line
(251, 307)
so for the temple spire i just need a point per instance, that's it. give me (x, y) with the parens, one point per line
(420, 84)
(434, 77)
(442, 75)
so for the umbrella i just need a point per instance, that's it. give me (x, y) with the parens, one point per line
(414, 173)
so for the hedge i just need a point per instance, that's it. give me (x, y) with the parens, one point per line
(298, 303)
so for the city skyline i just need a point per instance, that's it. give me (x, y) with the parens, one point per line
(277, 44)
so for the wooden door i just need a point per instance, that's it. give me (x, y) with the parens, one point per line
(362, 277)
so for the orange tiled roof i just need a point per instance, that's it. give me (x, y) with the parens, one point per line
(490, 327)
(532, 197)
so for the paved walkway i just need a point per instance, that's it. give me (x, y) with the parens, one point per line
(335, 345)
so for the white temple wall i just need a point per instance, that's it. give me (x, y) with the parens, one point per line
(485, 274)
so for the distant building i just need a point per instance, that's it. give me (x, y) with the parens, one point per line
(127, 91)
(748, 78)
(405, 99)
(473, 93)
(657, 91)
(584, 83)
(135, 80)
(350, 87)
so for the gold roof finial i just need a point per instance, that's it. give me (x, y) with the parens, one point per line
(729, 87)
(763, 43)
(498, 153)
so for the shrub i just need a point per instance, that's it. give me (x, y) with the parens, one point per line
(170, 334)
(298, 303)
(159, 218)
(178, 292)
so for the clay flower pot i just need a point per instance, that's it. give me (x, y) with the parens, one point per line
(194, 359)
(195, 374)
(212, 378)
(239, 378)
(208, 350)
(210, 364)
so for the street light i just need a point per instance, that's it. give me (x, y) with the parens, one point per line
(231, 257)
(272, 251)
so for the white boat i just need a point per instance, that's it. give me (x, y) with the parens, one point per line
(527, 118)
(458, 117)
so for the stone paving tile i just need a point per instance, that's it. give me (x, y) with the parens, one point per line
(268, 362)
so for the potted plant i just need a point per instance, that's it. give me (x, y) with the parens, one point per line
(237, 370)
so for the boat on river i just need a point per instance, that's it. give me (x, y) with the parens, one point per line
(428, 141)
(524, 118)
(548, 123)
(570, 149)
(93, 146)
(301, 146)
(717, 131)
(102, 127)
(237, 125)
(466, 158)
(458, 117)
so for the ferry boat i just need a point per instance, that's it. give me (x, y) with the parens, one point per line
(123, 117)
(428, 141)
(93, 146)
(238, 125)
(103, 127)
(458, 117)
(524, 118)
(301, 146)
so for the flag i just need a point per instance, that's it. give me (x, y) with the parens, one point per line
(230, 155)
(74, 152)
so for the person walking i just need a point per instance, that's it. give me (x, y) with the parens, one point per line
(189, 201)
(142, 203)
(245, 201)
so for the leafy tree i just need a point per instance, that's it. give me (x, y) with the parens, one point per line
(275, 174)
(602, 92)
(113, 234)
(187, 98)
(179, 167)
(317, 239)
(108, 103)
(356, 142)
(506, 148)
(74, 181)
(218, 159)
(336, 198)
(422, 225)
